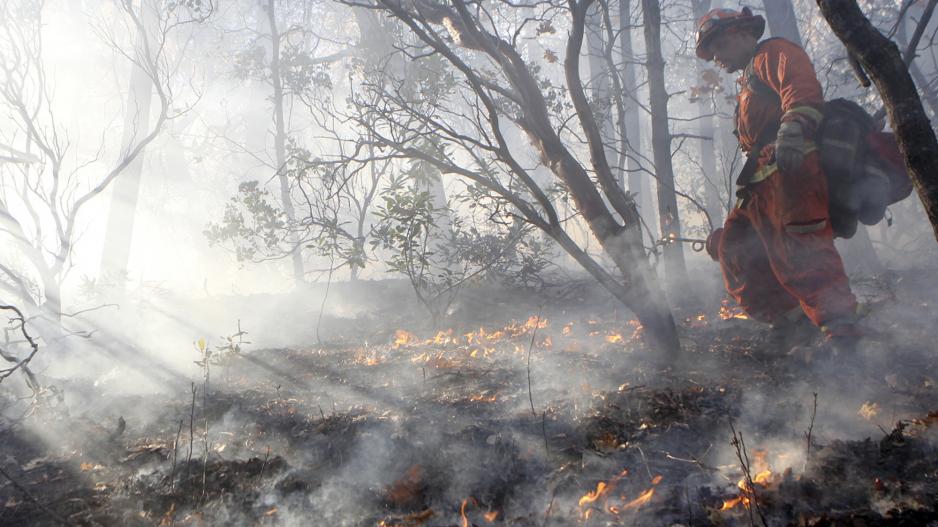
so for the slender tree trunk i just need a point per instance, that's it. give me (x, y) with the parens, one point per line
(125, 191)
(881, 59)
(280, 134)
(637, 287)
(928, 94)
(630, 130)
(780, 16)
(599, 79)
(708, 163)
(668, 215)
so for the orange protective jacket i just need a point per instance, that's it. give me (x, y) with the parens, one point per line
(785, 69)
(777, 249)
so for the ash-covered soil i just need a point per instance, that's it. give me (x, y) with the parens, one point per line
(531, 411)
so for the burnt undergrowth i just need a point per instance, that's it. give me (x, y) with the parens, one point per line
(549, 419)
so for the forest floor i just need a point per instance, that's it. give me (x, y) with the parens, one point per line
(530, 412)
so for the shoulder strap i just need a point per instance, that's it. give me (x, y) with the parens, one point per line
(761, 89)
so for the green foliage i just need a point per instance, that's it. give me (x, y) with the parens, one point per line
(405, 222)
(300, 71)
(251, 63)
(406, 228)
(251, 225)
(196, 6)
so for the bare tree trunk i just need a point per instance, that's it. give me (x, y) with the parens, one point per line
(708, 162)
(881, 59)
(280, 134)
(928, 94)
(630, 129)
(599, 79)
(780, 16)
(668, 215)
(637, 287)
(118, 235)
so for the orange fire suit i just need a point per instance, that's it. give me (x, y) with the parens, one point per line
(777, 249)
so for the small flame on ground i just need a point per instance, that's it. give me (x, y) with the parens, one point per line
(490, 516)
(644, 497)
(763, 478)
(727, 311)
(729, 504)
(403, 338)
(462, 513)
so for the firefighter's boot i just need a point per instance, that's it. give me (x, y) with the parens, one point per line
(789, 331)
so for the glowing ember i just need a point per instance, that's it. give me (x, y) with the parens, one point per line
(615, 338)
(483, 398)
(490, 516)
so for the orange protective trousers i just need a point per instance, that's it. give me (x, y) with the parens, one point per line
(777, 250)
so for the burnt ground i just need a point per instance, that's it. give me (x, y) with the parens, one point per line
(533, 411)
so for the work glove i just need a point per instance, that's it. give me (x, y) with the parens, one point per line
(789, 146)
(713, 243)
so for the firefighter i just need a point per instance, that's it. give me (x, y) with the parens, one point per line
(776, 249)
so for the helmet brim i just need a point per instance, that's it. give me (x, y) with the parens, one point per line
(755, 25)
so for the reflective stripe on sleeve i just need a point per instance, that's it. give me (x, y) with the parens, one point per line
(806, 228)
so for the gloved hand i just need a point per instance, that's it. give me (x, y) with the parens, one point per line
(713, 243)
(789, 147)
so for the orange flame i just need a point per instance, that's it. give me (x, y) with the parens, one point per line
(462, 511)
(727, 311)
(591, 497)
(602, 490)
(490, 516)
(645, 496)
(729, 504)
(763, 478)
(403, 338)
(615, 338)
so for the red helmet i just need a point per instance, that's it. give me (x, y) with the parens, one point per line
(719, 20)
